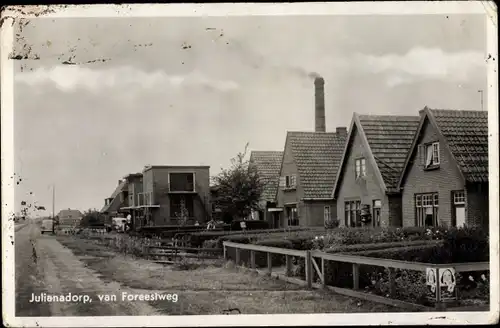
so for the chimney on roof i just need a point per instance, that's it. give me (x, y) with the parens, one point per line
(319, 98)
(119, 181)
(342, 130)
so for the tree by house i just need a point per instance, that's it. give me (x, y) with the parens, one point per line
(239, 188)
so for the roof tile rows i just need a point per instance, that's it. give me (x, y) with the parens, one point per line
(467, 136)
(317, 156)
(69, 213)
(390, 138)
(268, 164)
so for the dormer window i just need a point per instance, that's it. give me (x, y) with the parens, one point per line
(288, 182)
(429, 155)
(360, 168)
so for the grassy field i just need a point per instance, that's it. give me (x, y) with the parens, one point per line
(210, 287)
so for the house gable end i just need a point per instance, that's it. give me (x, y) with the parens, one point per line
(347, 148)
(426, 118)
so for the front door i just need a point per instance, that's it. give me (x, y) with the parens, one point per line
(460, 216)
(276, 218)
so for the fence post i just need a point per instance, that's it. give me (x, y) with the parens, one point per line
(269, 263)
(309, 271)
(237, 251)
(355, 276)
(392, 282)
(288, 271)
(224, 252)
(252, 259)
(323, 272)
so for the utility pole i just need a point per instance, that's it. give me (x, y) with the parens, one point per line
(481, 94)
(53, 200)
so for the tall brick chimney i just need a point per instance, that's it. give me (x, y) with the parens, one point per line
(319, 98)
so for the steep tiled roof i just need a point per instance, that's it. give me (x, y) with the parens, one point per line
(119, 188)
(467, 136)
(268, 164)
(390, 138)
(317, 156)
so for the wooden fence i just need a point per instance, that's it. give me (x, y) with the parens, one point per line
(312, 266)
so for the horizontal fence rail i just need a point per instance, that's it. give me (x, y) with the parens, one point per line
(312, 267)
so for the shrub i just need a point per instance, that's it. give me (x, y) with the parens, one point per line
(459, 246)
(281, 243)
(210, 243)
(332, 223)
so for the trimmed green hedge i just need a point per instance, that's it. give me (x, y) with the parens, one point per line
(363, 249)
(198, 238)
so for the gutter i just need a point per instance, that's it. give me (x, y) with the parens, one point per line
(307, 199)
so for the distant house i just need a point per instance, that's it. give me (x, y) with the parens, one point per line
(307, 174)
(170, 193)
(445, 177)
(69, 218)
(366, 185)
(113, 204)
(267, 164)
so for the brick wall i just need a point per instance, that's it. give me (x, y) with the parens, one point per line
(367, 190)
(443, 180)
(477, 210)
(395, 210)
(290, 196)
(315, 210)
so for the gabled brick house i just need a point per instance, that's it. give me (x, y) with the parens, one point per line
(366, 185)
(308, 169)
(309, 166)
(267, 164)
(445, 178)
(69, 218)
(113, 204)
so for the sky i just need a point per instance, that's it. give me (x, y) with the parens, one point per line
(195, 90)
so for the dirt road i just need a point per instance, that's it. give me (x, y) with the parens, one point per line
(43, 265)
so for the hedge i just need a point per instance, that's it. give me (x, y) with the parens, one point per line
(366, 249)
(197, 239)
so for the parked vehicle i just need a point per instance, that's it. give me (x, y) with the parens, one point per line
(47, 226)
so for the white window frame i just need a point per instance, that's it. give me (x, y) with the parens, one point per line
(460, 200)
(182, 172)
(431, 154)
(360, 167)
(290, 181)
(429, 200)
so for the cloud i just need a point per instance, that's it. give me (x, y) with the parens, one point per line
(69, 78)
(420, 64)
